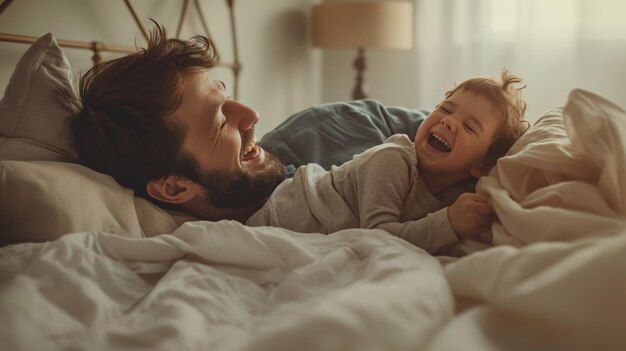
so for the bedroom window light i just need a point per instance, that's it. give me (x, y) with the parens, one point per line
(504, 16)
(363, 25)
(604, 20)
(557, 18)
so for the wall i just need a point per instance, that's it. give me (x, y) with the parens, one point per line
(280, 74)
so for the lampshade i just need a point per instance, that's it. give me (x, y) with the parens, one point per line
(379, 25)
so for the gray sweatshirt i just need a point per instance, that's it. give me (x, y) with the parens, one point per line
(379, 188)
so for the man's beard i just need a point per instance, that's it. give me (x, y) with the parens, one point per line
(238, 189)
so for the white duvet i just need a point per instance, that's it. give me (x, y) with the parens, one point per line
(222, 286)
(556, 280)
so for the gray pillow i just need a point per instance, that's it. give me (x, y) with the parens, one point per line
(34, 122)
(332, 134)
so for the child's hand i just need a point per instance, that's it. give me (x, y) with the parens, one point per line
(470, 214)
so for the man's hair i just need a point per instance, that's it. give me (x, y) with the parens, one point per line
(122, 128)
(506, 96)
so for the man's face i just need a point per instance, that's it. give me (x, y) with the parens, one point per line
(235, 172)
(457, 134)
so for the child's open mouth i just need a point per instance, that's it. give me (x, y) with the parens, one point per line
(438, 143)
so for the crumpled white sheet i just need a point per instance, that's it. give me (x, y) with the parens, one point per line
(546, 296)
(565, 179)
(222, 286)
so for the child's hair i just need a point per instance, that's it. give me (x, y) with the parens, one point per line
(506, 96)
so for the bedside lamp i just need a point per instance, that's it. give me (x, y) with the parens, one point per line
(363, 25)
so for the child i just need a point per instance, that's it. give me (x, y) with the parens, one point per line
(416, 191)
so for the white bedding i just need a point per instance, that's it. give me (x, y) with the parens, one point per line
(554, 281)
(222, 286)
(546, 296)
(567, 180)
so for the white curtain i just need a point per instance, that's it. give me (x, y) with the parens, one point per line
(555, 45)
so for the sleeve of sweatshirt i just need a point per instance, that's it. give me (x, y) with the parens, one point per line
(383, 182)
(431, 233)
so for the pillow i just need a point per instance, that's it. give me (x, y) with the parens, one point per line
(331, 134)
(597, 128)
(564, 179)
(42, 200)
(542, 156)
(33, 122)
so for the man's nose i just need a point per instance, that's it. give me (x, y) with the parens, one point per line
(244, 116)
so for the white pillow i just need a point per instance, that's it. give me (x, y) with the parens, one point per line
(597, 128)
(565, 178)
(34, 124)
(542, 156)
(41, 198)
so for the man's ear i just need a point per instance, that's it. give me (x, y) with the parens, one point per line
(172, 189)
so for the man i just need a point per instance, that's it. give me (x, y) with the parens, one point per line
(160, 124)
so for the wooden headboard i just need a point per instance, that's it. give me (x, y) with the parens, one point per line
(97, 47)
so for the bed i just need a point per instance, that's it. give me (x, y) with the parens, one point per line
(86, 265)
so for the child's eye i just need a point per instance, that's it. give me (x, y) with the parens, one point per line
(445, 110)
(468, 127)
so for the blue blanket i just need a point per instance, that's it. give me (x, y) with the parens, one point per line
(331, 134)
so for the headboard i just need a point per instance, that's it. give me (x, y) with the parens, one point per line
(97, 47)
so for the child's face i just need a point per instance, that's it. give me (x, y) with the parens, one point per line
(453, 141)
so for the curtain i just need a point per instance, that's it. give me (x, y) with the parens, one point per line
(554, 45)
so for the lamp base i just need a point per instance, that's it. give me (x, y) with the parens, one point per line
(360, 65)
